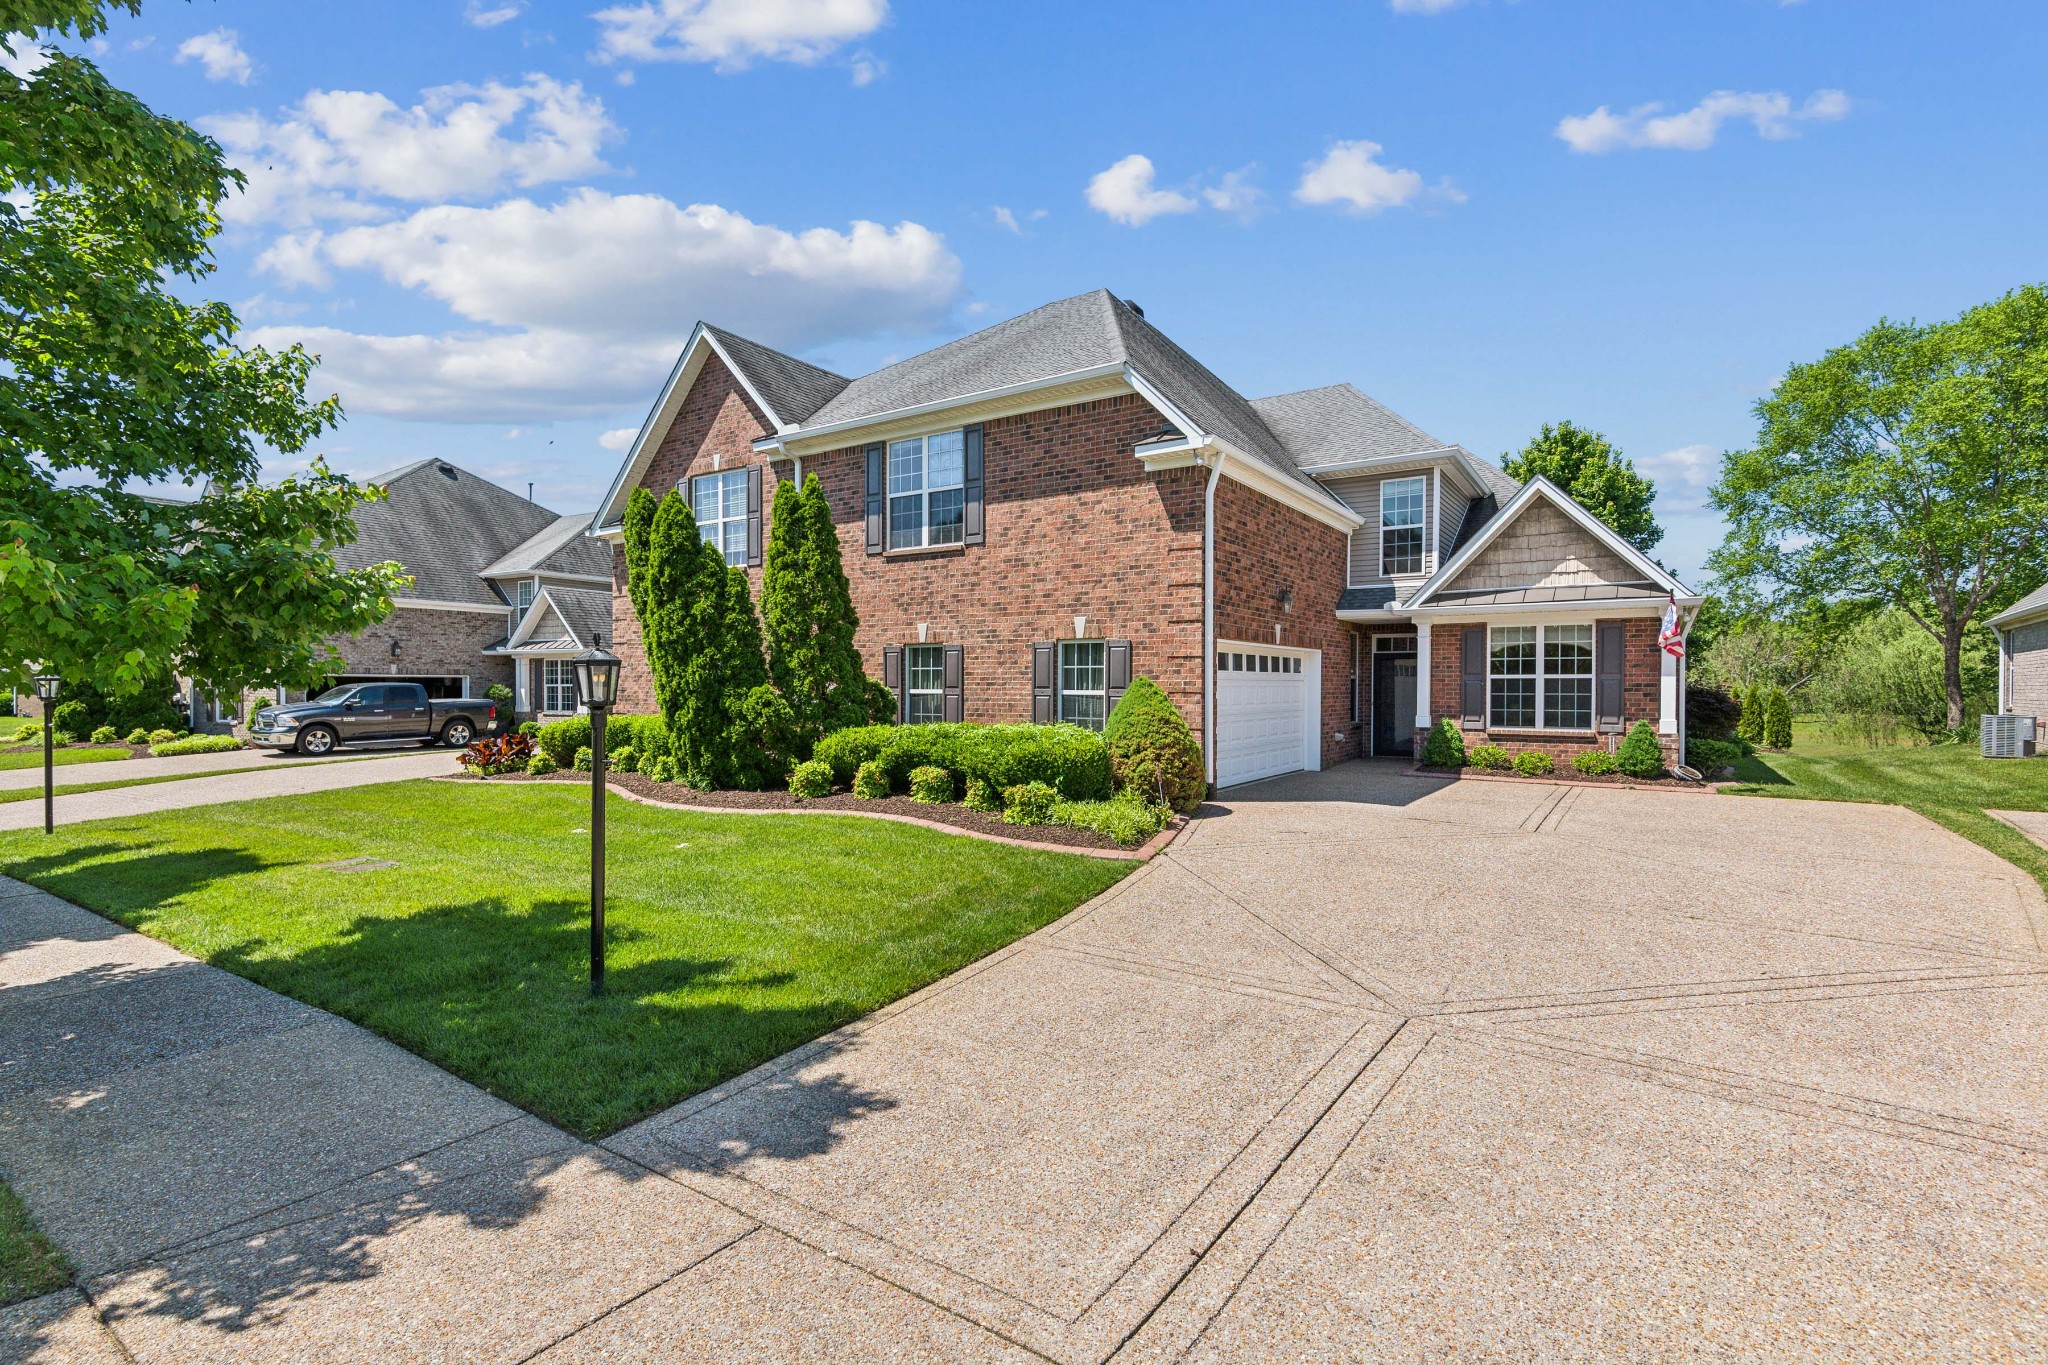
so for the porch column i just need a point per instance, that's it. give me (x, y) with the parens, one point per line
(1421, 675)
(1667, 693)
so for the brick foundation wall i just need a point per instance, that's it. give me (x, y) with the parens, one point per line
(1641, 685)
(432, 644)
(1262, 549)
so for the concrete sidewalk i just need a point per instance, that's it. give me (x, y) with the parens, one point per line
(232, 761)
(212, 791)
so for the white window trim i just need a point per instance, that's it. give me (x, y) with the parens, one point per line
(924, 494)
(1422, 525)
(1059, 690)
(1542, 725)
(739, 473)
(547, 688)
(909, 673)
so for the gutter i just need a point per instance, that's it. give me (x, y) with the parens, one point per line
(1209, 621)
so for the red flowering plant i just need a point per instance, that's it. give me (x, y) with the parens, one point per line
(496, 754)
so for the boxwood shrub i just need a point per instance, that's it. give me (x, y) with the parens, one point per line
(1531, 763)
(106, 734)
(1640, 755)
(197, 744)
(1595, 762)
(1071, 760)
(1445, 745)
(1491, 757)
(809, 781)
(845, 750)
(1029, 803)
(933, 786)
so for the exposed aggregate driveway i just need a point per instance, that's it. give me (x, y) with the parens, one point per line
(1365, 1068)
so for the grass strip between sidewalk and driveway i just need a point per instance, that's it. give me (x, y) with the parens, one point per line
(29, 1266)
(1950, 784)
(453, 918)
(33, 758)
(8, 794)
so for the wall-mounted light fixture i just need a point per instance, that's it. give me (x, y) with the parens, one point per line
(1287, 599)
(395, 649)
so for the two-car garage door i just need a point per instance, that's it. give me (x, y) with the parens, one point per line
(1266, 712)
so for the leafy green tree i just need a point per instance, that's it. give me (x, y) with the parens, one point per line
(1599, 477)
(109, 379)
(1908, 468)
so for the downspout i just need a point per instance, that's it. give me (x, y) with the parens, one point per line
(1209, 621)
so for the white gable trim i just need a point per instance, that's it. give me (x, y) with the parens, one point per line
(543, 603)
(1540, 487)
(688, 366)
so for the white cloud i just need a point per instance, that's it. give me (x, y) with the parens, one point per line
(618, 438)
(339, 149)
(733, 34)
(480, 14)
(21, 57)
(1126, 193)
(1683, 476)
(1012, 221)
(596, 294)
(1350, 174)
(1692, 130)
(1235, 193)
(220, 52)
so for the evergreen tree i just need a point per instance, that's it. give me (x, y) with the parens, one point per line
(1751, 724)
(638, 526)
(759, 725)
(1778, 720)
(789, 611)
(678, 588)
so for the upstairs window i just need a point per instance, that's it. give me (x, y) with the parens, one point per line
(927, 491)
(525, 594)
(720, 502)
(1401, 511)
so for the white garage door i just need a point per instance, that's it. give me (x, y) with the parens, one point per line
(1264, 711)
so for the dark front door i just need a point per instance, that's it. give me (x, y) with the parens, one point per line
(1393, 705)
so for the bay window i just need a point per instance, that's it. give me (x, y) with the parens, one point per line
(1540, 678)
(1401, 514)
(927, 490)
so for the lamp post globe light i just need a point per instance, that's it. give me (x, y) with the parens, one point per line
(48, 685)
(597, 687)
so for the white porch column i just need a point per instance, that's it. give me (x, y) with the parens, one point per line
(1421, 675)
(1667, 694)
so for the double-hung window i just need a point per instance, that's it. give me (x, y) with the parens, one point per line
(558, 686)
(1540, 677)
(525, 595)
(720, 502)
(1401, 511)
(927, 491)
(924, 684)
(1084, 683)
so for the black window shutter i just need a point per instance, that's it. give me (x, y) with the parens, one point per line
(973, 532)
(1045, 667)
(753, 516)
(1117, 672)
(1472, 693)
(892, 678)
(1610, 647)
(954, 704)
(877, 471)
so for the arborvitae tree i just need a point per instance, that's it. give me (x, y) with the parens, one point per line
(843, 692)
(758, 723)
(1751, 724)
(1778, 720)
(789, 611)
(681, 600)
(638, 526)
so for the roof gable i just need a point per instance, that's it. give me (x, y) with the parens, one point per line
(1544, 547)
(574, 616)
(560, 548)
(445, 525)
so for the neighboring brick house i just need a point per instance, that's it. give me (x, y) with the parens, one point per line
(1034, 514)
(2022, 631)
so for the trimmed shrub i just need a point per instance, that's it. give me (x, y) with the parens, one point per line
(1596, 762)
(530, 727)
(1029, 803)
(60, 738)
(562, 738)
(540, 765)
(983, 796)
(196, 744)
(1072, 761)
(1445, 745)
(136, 736)
(1126, 817)
(1640, 755)
(645, 761)
(157, 737)
(72, 716)
(29, 734)
(933, 786)
(846, 750)
(1778, 720)
(664, 769)
(1491, 757)
(106, 734)
(584, 759)
(1530, 763)
(501, 694)
(811, 780)
(1710, 755)
(870, 782)
(1151, 749)
(621, 759)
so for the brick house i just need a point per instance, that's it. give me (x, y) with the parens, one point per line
(1034, 514)
(2022, 631)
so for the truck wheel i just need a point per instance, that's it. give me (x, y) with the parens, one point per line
(315, 740)
(457, 734)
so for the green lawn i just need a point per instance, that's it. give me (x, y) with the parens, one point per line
(732, 938)
(1948, 783)
(79, 788)
(29, 1265)
(33, 758)
(10, 726)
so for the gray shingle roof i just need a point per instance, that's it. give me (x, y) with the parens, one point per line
(561, 548)
(795, 389)
(2034, 603)
(444, 525)
(1337, 422)
(587, 612)
(1366, 599)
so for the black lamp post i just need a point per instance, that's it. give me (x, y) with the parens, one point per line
(597, 687)
(48, 684)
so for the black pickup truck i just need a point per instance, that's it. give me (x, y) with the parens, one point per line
(373, 713)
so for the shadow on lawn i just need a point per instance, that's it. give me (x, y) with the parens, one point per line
(151, 873)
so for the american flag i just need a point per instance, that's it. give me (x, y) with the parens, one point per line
(1670, 637)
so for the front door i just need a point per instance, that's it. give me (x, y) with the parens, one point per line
(1393, 705)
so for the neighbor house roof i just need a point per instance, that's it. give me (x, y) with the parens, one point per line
(445, 525)
(560, 548)
(2033, 604)
(585, 612)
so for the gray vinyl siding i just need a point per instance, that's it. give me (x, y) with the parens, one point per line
(1362, 495)
(2027, 676)
(1449, 518)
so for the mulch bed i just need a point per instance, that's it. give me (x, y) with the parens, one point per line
(1564, 773)
(952, 813)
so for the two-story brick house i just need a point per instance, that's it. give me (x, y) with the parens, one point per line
(1033, 514)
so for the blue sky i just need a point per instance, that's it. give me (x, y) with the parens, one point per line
(497, 221)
